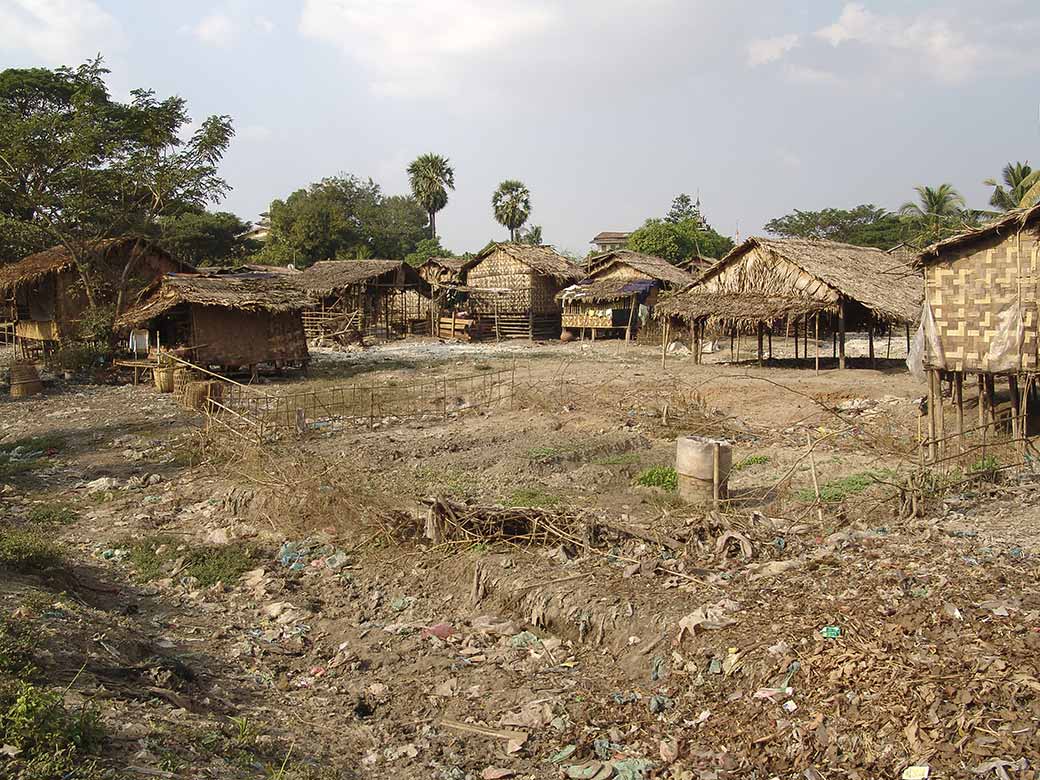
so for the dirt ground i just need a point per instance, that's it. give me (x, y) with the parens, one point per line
(236, 612)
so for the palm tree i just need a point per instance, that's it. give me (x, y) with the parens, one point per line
(511, 204)
(940, 211)
(1019, 179)
(431, 176)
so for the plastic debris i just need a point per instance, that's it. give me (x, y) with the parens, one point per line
(525, 639)
(566, 752)
(916, 773)
(830, 632)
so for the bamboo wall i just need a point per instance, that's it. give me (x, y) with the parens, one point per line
(974, 291)
(527, 292)
(231, 337)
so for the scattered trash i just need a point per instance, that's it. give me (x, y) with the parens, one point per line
(830, 632)
(916, 773)
(525, 639)
(439, 630)
(658, 704)
(711, 617)
(564, 754)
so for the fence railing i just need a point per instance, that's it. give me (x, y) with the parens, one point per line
(6, 334)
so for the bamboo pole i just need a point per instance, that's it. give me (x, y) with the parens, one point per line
(940, 415)
(870, 342)
(815, 478)
(841, 333)
(817, 342)
(932, 452)
(770, 342)
(716, 488)
(958, 398)
(761, 358)
(1016, 407)
(664, 344)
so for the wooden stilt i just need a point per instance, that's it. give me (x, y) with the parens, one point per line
(1016, 408)
(732, 336)
(958, 399)
(841, 333)
(796, 341)
(738, 345)
(908, 338)
(664, 344)
(770, 342)
(761, 357)
(888, 350)
(940, 418)
(931, 416)
(834, 344)
(981, 408)
(817, 342)
(870, 343)
(696, 343)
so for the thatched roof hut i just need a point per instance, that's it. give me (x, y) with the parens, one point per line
(981, 297)
(516, 286)
(48, 292)
(764, 280)
(442, 271)
(618, 283)
(226, 320)
(388, 296)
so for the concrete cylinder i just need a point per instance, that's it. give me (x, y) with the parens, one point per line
(695, 467)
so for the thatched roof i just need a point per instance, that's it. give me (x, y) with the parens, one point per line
(253, 292)
(880, 282)
(1009, 224)
(739, 309)
(543, 260)
(58, 258)
(605, 290)
(649, 265)
(328, 277)
(453, 264)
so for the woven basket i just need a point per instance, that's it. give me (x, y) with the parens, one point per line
(181, 377)
(25, 380)
(197, 394)
(163, 379)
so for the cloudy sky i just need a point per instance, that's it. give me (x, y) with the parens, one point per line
(605, 108)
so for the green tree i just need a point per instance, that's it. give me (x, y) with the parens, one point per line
(533, 235)
(1019, 187)
(431, 176)
(425, 249)
(683, 209)
(865, 225)
(678, 242)
(511, 205)
(395, 225)
(206, 238)
(80, 166)
(940, 212)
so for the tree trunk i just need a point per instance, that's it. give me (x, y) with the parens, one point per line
(433, 224)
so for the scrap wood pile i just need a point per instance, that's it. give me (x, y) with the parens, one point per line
(451, 521)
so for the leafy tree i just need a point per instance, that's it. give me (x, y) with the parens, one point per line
(940, 212)
(19, 238)
(425, 249)
(431, 176)
(79, 166)
(511, 204)
(533, 235)
(342, 217)
(678, 242)
(683, 209)
(207, 238)
(1023, 187)
(865, 225)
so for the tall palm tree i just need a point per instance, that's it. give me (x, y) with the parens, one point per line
(940, 211)
(431, 176)
(511, 203)
(1018, 178)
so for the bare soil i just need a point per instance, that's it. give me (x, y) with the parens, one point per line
(361, 649)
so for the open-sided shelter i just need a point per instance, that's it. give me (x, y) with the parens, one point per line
(511, 292)
(765, 282)
(620, 284)
(980, 312)
(48, 295)
(373, 297)
(230, 321)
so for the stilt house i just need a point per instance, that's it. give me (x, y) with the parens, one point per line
(229, 321)
(385, 298)
(980, 317)
(799, 285)
(621, 286)
(511, 293)
(48, 294)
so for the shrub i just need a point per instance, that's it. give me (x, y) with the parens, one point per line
(152, 557)
(751, 460)
(22, 549)
(839, 489)
(663, 477)
(52, 514)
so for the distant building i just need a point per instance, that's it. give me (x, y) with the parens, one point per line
(608, 241)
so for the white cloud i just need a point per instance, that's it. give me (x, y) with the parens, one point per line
(264, 24)
(805, 74)
(927, 41)
(216, 29)
(57, 31)
(418, 47)
(766, 50)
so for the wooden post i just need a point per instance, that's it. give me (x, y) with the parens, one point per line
(908, 338)
(664, 343)
(817, 342)
(761, 358)
(870, 342)
(991, 401)
(888, 350)
(696, 325)
(796, 340)
(770, 342)
(1016, 407)
(834, 344)
(981, 407)
(498, 335)
(452, 324)
(530, 325)
(738, 345)
(815, 478)
(940, 417)
(931, 416)
(716, 488)
(631, 317)
(731, 337)
(841, 333)
(958, 399)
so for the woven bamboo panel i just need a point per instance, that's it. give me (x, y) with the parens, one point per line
(968, 290)
(525, 291)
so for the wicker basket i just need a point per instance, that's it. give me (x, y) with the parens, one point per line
(25, 380)
(163, 379)
(197, 394)
(181, 377)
